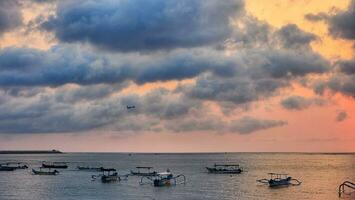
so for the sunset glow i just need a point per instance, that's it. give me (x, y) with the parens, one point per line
(214, 76)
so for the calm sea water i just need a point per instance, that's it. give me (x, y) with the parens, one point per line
(320, 175)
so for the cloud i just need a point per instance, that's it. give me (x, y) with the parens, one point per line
(10, 15)
(300, 103)
(342, 115)
(316, 17)
(338, 83)
(67, 64)
(341, 23)
(63, 64)
(76, 88)
(259, 75)
(163, 24)
(72, 110)
(293, 37)
(247, 125)
(347, 66)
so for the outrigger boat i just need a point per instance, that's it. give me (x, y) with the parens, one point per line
(109, 175)
(55, 165)
(277, 180)
(225, 169)
(163, 179)
(91, 169)
(41, 172)
(145, 173)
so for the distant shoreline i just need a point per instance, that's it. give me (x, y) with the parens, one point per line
(31, 152)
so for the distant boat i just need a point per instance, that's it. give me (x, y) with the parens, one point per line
(225, 169)
(7, 168)
(130, 107)
(55, 165)
(163, 179)
(277, 180)
(41, 172)
(108, 175)
(15, 165)
(98, 169)
(147, 171)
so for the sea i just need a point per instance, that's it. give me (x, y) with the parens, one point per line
(320, 174)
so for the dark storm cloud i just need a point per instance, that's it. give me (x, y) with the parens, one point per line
(260, 75)
(341, 24)
(134, 25)
(57, 66)
(300, 103)
(62, 65)
(10, 15)
(247, 125)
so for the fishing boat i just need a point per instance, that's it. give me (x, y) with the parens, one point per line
(55, 165)
(147, 171)
(42, 172)
(91, 169)
(277, 180)
(108, 175)
(225, 169)
(163, 179)
(15, 165)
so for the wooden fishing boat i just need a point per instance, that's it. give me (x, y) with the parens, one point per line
(225, 169)
(54, 165)
(277, 180)
(42, 172)
(108, 175)
(163, 179)
(146, 171)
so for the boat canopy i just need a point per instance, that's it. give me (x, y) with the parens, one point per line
(164, 173)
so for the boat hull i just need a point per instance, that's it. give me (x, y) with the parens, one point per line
(280, 182)
(92, 169)
(162, 182)
(55, 166)
(110, 178)
(219, 171)
(53, 173)
(7, 168)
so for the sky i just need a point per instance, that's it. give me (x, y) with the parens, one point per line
(202, 75)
